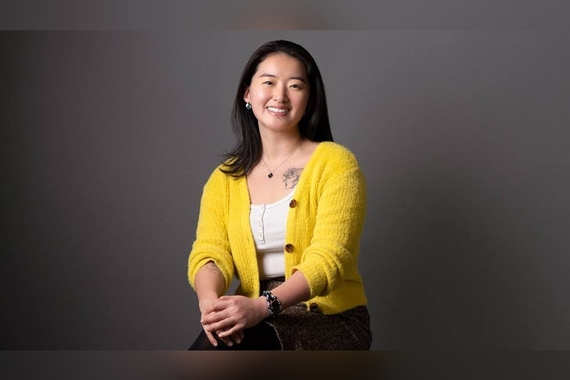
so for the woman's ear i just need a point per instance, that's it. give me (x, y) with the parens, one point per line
(246, 95)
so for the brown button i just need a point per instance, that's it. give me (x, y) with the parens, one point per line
(293, 203)
(289, 248)
(314, 307)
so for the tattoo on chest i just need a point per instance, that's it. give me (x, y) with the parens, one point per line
(291, 177)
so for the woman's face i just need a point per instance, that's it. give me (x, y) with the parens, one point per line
(279, 93)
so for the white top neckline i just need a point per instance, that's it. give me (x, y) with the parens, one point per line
(274, 204)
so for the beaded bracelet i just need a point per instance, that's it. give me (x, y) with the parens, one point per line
(273, 303)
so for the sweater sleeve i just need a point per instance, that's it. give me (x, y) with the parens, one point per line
(211, 242)
(333, 250)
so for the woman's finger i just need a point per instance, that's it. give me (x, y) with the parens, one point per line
(226, 340)
(234, 331)
(211, 338)
(222, 326)
(212, 317)
(238, 336)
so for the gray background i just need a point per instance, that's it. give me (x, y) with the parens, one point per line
(108, 137)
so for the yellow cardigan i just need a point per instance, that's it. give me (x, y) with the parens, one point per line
(324, 225)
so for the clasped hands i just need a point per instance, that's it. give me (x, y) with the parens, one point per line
(228, 316)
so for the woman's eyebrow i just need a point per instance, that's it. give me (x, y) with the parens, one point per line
(275, 76)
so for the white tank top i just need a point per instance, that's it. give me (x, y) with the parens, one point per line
(268, 225)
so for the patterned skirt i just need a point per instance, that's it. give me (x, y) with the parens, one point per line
(300, 329)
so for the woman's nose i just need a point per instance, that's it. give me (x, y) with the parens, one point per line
(280, 94)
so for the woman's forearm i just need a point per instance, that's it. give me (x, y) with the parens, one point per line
(294, 290)
(209, 282)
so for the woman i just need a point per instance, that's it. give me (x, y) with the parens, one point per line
(284, 215)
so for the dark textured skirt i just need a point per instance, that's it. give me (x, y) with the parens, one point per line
(300, 329)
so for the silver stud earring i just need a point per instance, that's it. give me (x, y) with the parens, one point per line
(248, 105)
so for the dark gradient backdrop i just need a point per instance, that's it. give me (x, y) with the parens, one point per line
(108, 137)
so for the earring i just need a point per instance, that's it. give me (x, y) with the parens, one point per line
(248, 105)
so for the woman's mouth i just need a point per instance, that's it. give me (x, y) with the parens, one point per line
(278, 111)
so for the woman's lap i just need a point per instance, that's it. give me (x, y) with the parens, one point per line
(297, 328)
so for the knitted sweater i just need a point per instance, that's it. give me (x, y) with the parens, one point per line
(323, 231)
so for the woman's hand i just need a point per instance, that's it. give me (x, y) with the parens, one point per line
(204, 304)
(228, 316)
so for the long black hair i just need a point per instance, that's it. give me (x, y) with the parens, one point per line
(314, 125)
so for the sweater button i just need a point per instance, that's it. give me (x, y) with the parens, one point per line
(314, 307)
(289, 248)
(293, 203)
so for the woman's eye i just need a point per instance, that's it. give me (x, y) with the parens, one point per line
(296, 86)
(267, 82)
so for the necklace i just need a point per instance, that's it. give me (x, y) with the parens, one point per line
(278, 166)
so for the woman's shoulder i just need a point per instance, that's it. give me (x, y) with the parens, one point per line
(333, 162)
(219, 175)
(332, 148)
(336, 153)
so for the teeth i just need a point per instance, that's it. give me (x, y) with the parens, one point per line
(278, 110)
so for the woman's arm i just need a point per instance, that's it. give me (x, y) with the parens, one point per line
(333, 250)
(229, 315)
(209, 285)
(211, 243)
(294, 290)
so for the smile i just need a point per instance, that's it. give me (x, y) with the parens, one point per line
(281, 111)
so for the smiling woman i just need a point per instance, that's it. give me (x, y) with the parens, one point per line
(278, 94)
(299, 284)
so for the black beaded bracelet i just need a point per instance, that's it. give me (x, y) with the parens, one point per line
(273, 303)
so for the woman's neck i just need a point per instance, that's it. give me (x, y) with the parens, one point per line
(277, 148)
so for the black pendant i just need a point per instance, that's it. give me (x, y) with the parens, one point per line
(270, 175)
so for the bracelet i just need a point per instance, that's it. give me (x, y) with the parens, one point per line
(273, 303)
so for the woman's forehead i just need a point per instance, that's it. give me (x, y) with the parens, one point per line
(277, 64)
